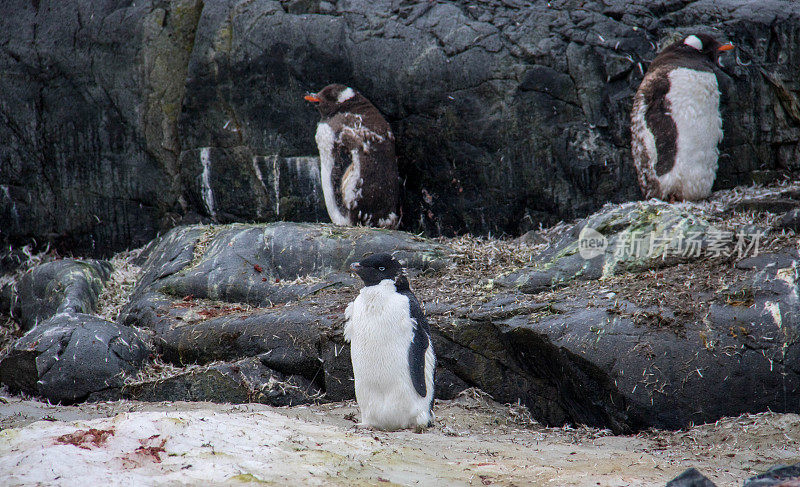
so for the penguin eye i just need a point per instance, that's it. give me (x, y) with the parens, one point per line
(381, 268)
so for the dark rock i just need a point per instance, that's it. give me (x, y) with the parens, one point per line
(88, 120)
(791, 220)
(195, 280)
(6, 297)
(762, 261)
(244, 381)
(586, 355)
(121, 120)
(60, 286)
(285, 339)
(772, 205)
(693, 359)
(691, 477)
(777, 476)
(257, 264)
(767, 177)
(72, 355)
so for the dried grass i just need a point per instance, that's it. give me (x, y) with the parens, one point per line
(119, 286)
(158, 370)
(31, 260)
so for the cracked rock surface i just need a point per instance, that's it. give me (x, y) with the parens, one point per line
(120, 121)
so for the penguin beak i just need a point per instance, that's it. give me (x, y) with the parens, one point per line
(355, 266)
(725, 47)
(312, 98)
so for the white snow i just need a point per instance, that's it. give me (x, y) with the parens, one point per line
(199, 448)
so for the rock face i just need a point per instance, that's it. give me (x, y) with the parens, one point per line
(117, 121)
(200, 285)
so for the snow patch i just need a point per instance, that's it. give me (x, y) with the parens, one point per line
(175, 448)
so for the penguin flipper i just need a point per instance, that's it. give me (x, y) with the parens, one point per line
(420, 343)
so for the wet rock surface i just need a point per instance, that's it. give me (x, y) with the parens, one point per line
(507, 114)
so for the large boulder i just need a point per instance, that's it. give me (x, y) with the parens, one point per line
(266, 264)
(72, 355)
(633, 236)
(220, 293)
(61, 286)
(121, 120)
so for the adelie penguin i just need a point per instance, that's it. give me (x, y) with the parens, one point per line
(676, 123)
(359, 173)
(390, 348)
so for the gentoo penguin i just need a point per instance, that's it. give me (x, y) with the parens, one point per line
(675, 122)
(390, 348)
(359, 174)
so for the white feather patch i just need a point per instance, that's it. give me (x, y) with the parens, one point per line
(351, 182)
(345, 95)
(694, 101)
(388, 222)
(694, 41)
(325, 138)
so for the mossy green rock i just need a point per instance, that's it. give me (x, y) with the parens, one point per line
(629, 237)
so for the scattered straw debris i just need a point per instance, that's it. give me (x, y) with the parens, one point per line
(119, 287)
(202, 244)
(158, 370)
(9, 331)
(31, 260)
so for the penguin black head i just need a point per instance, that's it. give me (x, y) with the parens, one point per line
(376, 268)
(695, 46)
(335, 98)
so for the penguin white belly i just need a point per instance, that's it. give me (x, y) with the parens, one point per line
(325, 139)
(694, 105)
(380, 332)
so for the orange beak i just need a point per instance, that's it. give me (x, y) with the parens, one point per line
(725, 47)
(313, 98)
